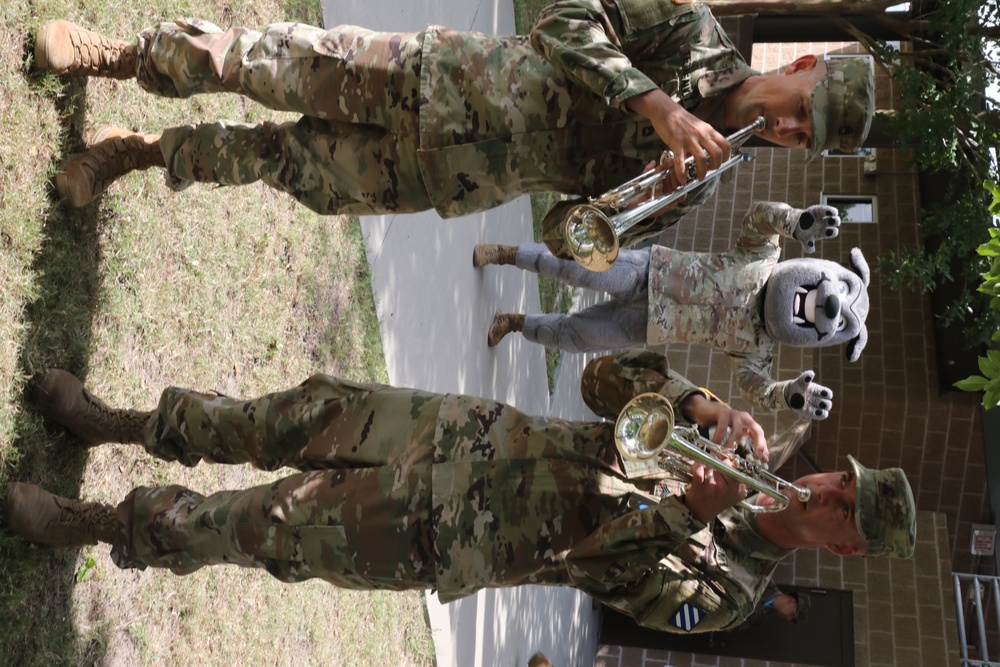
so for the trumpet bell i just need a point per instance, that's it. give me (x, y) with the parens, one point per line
(644, 427)
(591, 238)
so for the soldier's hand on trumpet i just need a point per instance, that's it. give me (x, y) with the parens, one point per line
(683, 133)
(732, 427)
(710, 492)
(736, 428)
(668, 184)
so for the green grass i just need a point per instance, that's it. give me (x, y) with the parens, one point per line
(238, 290)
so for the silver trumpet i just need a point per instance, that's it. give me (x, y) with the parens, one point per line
(592, 229)
(645, 428)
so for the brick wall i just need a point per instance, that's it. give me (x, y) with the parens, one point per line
(888, 409)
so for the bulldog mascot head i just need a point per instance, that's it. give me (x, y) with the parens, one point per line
(817, 303)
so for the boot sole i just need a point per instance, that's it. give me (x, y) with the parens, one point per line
(479, 260)
(65, 191)
(496, 333)
(42, 40)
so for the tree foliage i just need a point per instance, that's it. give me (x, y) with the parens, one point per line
(946, 114)
(989, 364)
(947, 117)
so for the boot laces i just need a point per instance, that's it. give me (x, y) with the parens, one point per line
(100, 53)
(82, 515)
(98, 409)
(118, 156)
(124, 425)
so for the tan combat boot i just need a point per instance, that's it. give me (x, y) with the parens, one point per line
(503, 324)
(491, 253)
(63, 399)
(115, 153)
(65, 48)
(43, 518)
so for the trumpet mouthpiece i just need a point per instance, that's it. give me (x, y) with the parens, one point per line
(804, 495)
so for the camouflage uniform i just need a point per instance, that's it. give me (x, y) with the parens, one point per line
(460, 122)
(404, 489)
(689, 298)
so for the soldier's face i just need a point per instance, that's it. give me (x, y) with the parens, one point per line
(786, 607)
(827, 518)
(784, 102)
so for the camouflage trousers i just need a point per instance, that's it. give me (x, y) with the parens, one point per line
(354, 151)
(366, 482)
(616, 324)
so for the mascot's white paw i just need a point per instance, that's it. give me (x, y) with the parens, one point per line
(811, 400)
(815, 224)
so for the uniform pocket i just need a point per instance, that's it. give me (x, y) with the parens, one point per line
(638, 16)
(297, 553)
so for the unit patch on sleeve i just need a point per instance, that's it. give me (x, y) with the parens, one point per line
(687, 617)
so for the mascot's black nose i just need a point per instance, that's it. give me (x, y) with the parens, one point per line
(831, 308)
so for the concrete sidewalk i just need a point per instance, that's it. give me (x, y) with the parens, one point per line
(434, 310)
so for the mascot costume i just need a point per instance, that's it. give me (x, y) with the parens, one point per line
(741, 302)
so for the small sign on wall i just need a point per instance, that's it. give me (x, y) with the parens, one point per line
(984, 539)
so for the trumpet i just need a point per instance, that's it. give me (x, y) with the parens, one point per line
(592, 229)
(645, 428)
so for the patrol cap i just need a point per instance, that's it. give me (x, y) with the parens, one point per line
(884, 511)
(842, 105)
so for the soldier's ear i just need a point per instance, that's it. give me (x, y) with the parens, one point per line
(801, 64)
(844, 548)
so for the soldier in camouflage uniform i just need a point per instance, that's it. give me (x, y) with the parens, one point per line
(789, 607)
(458, 122)
(740, 302)
(405, 489)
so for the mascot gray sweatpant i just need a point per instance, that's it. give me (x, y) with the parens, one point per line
(615, 324)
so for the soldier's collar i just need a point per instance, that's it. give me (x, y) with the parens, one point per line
(721, 81)
(713, 86)
(752, 542)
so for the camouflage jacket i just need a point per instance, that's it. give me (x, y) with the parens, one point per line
(763, 610)
(715, 299)
(516, 114)
(524, 499)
